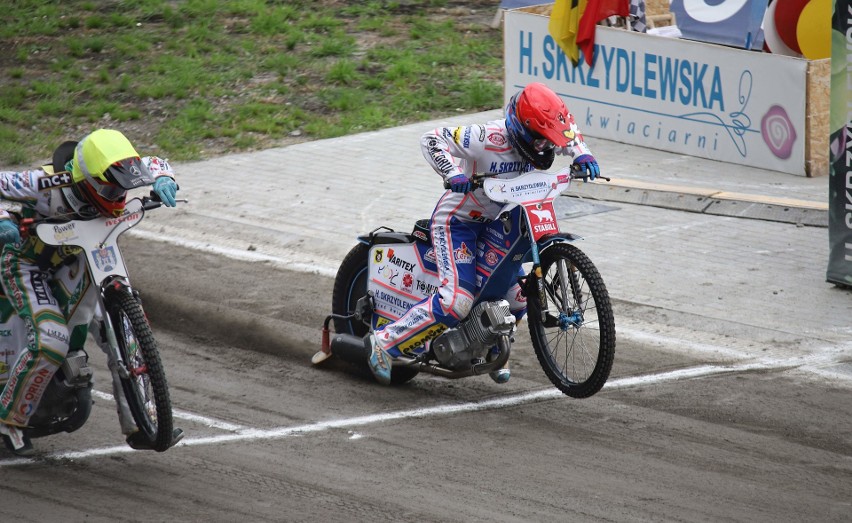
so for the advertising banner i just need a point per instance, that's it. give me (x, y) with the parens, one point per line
(729, 22)
(675, 95)
(840, 169)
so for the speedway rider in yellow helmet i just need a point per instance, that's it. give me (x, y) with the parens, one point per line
(87, 179)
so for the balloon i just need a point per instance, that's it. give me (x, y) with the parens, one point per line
(772, 40)
(814, 30)
(787, 14)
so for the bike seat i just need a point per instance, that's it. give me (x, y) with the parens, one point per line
(421, 231)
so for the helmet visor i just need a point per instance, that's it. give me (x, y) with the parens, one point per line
(542, 144)
(108, 191)
(129, 173)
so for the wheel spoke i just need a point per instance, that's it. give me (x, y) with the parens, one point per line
(575, 343)
(145, 387)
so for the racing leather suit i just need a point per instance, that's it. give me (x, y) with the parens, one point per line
(455, 225)
(25, 271)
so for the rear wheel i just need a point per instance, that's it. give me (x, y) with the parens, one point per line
(350, 285)
(575, 341)
(142, 377)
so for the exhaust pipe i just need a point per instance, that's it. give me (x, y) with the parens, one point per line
(354, 349)
(349, 348)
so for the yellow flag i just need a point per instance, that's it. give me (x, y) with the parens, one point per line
(563, 25)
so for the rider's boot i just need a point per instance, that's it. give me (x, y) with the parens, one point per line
(16, 440)
(378, 360)
(502, 375)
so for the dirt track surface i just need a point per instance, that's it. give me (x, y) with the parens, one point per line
(270, 438)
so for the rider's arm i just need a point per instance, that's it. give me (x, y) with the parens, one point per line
(24, 186)
(158, 166)
(576, 145)
(164, 179)
(451, 150)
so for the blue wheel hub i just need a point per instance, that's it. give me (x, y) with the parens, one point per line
(570, 320)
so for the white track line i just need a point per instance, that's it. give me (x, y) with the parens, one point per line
(247, 434)
(180, 414)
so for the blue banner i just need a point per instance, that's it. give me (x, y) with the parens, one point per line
(728, 22)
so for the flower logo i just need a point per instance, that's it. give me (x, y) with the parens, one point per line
(777, 131)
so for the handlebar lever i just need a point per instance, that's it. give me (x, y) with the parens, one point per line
(152, 201)
(585, 178)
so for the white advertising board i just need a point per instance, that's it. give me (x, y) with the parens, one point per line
(691, 98)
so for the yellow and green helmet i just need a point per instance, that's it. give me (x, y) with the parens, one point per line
(105, 166)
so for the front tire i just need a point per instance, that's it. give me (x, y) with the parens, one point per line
(575, 343)
(350, 285)
(142, 376)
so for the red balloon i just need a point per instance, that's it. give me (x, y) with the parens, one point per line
(787, 19)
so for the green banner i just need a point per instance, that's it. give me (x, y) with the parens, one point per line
(840, 169)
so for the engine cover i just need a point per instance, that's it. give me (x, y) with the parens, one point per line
(460, 347)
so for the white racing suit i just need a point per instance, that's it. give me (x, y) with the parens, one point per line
(455, 226)
(25, 272)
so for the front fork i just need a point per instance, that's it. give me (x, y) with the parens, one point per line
(536, 270)
(108, 342)
(564, 287)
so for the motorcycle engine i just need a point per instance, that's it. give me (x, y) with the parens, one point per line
(460, 347)
(59, 401)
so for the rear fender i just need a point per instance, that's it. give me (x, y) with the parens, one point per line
(383, 237)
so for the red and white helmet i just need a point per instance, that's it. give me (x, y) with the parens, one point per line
(537, 121)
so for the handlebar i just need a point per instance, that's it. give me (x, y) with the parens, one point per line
(152, 201)
(477, 180)
(26, 225)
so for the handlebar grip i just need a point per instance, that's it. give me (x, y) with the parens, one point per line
(152, 201)
(475, 182)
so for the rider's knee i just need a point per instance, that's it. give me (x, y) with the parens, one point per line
(54, 336)
(461, 307)
(455, 303)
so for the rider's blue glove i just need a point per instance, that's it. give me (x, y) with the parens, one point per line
(460, 183)
(9, 232)
(588, 165)
(166, 189)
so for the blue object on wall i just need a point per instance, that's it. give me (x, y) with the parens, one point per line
(728, 22)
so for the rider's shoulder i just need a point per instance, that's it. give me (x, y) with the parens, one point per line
(48, 178)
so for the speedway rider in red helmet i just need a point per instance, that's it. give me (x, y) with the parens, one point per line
(536, 126)
(87, 179)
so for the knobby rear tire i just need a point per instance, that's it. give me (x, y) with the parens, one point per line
(576, 344)
(350, 285)
(145, 386)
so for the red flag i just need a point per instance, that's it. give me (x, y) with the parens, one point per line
(597, 10)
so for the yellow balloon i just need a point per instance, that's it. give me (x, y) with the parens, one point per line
(813, 31)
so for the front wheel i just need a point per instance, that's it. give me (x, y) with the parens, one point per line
(142, 377)
(575, 339)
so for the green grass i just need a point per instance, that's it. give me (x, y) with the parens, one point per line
(193, 79)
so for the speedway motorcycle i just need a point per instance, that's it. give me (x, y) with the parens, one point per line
(569, 313)
(95, 294)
